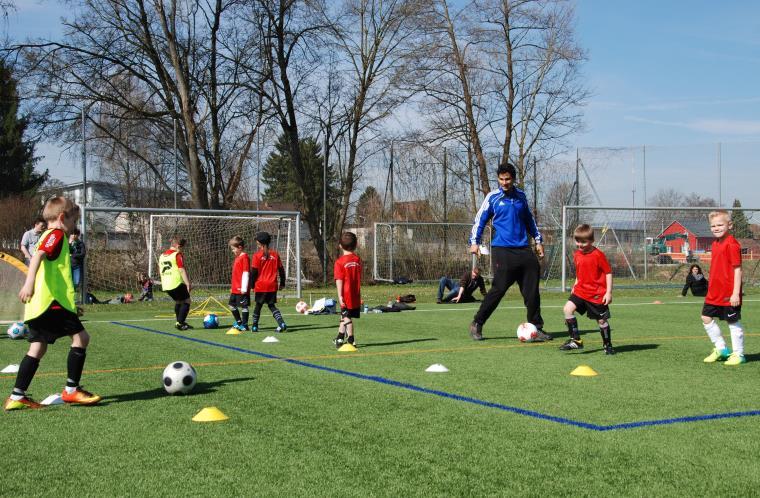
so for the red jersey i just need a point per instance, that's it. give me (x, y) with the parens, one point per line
(180, 260)
(591, 270)
(268, 269)
(726, 255)
(241, 269)
(348, 268)
(52, 244)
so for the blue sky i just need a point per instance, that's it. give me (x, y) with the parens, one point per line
(679, 76)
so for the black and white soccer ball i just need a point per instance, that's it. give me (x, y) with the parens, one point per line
(179, 377)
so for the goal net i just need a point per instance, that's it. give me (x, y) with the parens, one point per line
(653, 246)
(123, 244)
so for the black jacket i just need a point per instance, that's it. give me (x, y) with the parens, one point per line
(698, 286)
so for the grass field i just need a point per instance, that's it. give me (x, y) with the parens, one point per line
(508, 419)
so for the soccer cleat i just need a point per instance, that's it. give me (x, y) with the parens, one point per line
(608, 350)
(20, 404)
(717, 355)
(438, 301)
(79, 397)
(735, 359)
(254, 328)
(281, 328)
(242, 328)
(542, 336)
(476, 331)
(571, 344)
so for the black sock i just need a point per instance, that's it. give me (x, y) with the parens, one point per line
(245, 316)
(341, 336)
(75, 365)
(236, 314)
(26, 370)
(606, 332)
(278, 316)
(177, 308)
(184, 309)
(572, 327)
(350, 339)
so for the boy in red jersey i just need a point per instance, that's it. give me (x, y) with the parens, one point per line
(240, 293)
(724, 292)
(267, 266)
(592, 292)
(50, 312)
(348, 279)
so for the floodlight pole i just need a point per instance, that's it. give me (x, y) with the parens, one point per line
(83, 287)
(176, 166)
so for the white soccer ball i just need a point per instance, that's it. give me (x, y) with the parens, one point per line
(18, 330)
(179, 377)
(527, 332)
(301, 307)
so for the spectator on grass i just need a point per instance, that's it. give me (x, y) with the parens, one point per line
(462, 291)
(30, 238)
(696, 281)
(78, 251)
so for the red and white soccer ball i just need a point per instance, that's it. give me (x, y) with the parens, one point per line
(301, 307)
(527, 332)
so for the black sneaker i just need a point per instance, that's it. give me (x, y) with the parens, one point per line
(438, 301)
(183, 326)
(608, 350)
(542, 336)
(476, 331)
(571, 344)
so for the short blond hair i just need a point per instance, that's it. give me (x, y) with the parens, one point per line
(583, 233)
(719, 212)
(57, 205)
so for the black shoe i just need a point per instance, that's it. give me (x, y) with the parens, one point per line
(476, 331)
(182, 326)
(571, 344)
(608, 349)
(542, 336)
(438, 301)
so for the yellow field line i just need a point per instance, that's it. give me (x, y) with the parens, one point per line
(359, 355)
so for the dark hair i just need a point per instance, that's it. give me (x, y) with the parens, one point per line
(699, 270)
(40, 219)
(583, 233)
(348, 241)
(75, 231)
(507, 168)
(263, 238)
(237, 241)
(177, 241)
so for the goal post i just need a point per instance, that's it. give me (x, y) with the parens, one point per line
(125, 242)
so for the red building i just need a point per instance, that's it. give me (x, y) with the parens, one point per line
(699, 236)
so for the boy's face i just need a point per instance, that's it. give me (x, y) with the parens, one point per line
(236, 250)
(720, 225)
(584, 246)
(506, 181)
(39, 226)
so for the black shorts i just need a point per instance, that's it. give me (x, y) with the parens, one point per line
(266, 297)
(592, 310)
(730, 314)
(53, 324)
(240, 300)
(179, 293)
(350, 313)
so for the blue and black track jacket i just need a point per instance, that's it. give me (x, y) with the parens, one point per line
(512, 219)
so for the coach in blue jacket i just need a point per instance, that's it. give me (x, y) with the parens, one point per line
(512, 258)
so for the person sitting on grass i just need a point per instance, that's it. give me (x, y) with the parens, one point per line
(696, 281)
(50, 311)
(462, 291)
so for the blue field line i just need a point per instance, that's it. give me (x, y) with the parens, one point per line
(457, 397)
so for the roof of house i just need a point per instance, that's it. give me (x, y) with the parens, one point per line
(700, 228)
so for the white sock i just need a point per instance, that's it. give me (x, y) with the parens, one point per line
(713, 331)
(70, 389)
(17, 397)
(737, 337)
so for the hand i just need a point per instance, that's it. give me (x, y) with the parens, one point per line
(475, 249)
(26, 293)
(455, 299)
(607, 299)
(189, 287)
(735, 300)
(540, 250)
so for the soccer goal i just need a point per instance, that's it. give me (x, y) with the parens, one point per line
(654, 246)
(424, 252)
(123, 243)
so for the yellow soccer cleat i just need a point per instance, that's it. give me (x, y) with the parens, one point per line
(20, 404)
(717, 355)
(735, 359)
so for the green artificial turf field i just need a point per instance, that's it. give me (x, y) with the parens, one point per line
(304, 419)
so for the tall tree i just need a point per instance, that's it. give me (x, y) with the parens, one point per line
(17, 174)
(740, 221)
(369, 207)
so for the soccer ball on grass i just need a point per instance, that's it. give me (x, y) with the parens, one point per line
(210, 321)
(179, 377)
(301, 307)
(527, 332)
(18, 330)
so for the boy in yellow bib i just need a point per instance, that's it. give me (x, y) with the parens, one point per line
(175, 282)
(50, 312)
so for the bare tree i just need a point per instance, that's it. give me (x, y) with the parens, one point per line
(155, 62)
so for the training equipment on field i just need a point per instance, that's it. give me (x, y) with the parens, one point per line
(210, 414)
(179, 377)
(584, 371)
(210, 321)
(347, 348)
(17, 330)
(301, 307)
(527, 332)
(270, 338)
(10, 369)
(53, 399)
(436, 368)
(12, 277)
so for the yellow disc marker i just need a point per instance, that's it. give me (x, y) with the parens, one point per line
(584, 371)
(347, 348)
(210, 414)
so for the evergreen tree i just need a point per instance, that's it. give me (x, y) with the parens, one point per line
(741, 224)
(17, 173)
